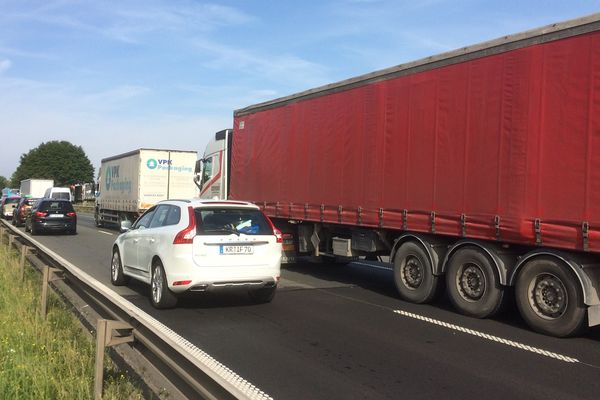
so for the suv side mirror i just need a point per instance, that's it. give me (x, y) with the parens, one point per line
(125, 226)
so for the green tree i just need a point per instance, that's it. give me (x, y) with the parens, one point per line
(3, 182)
(62, 161)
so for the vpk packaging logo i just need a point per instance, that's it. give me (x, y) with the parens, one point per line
(152, 163)
(163, 164)
(113, 182)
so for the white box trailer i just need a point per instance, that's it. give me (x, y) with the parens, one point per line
(35, 187)
(131, 183)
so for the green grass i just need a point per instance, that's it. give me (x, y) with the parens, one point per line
(46, 359)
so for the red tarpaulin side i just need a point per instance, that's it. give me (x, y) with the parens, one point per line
(503, 140)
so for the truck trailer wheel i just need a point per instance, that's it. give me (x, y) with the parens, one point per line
(549, 298)
(472, 283)
(413, 274)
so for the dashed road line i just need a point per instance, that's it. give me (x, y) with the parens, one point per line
(107, 233)
(490, 337)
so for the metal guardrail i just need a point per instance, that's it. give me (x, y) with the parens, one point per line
(206, 377)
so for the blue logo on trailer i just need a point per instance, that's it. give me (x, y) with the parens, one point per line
(108, 178)
(152, 163)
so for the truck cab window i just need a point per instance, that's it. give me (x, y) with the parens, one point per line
(208, 169)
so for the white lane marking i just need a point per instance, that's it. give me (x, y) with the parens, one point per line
(106, 233)
(372, 266)
(490, 337)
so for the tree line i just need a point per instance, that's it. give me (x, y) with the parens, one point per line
(61, 161)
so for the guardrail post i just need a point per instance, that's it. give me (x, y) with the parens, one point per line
(2, 230)
(24, 250)
(11, 239)
(50, 275)
(107, 337)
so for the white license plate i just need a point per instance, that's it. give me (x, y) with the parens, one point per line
(56, 215)
(236, 249)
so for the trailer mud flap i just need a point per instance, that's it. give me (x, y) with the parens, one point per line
(594, 315)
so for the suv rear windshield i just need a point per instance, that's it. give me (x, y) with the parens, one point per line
(219, 221)
(64, 206)
(60, 196)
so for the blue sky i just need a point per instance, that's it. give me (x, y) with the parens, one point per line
(113, 76)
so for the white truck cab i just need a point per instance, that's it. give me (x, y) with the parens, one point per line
(211, 174)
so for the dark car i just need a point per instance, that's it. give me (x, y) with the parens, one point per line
(50, 215)
(7, 206)
(20, 213)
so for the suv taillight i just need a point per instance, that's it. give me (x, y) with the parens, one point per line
(186, 236)
(276, 232)
(278, 235)
(71, 214)
(41, 214)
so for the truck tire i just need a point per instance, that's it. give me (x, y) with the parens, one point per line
(117, 277)
(549, 298)
(472, 283)
(160, 295)
(413, 274)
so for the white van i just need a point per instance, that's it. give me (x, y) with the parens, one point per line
(58, 193)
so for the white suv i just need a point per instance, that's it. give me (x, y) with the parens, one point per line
(196, 245)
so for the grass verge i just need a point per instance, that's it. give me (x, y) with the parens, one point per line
(46, 359)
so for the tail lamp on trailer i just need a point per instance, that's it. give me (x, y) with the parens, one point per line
(187, 235)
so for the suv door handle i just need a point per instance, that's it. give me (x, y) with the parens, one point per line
(136, 240)
(152, 240)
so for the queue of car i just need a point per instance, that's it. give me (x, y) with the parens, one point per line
(176, 247)
(52, 213)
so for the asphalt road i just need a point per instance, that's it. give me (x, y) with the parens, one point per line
(341, 332)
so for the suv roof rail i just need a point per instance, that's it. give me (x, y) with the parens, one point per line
(183, 200)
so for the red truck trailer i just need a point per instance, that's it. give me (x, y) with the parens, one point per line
(480, 167)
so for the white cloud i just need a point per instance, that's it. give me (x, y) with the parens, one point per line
(131, 21)
(5, 65)
(286, 69)
(116, 94)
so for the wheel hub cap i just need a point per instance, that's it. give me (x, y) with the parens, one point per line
(412, 272)
(114, 266)
(548, 296)
(471, 282)
(156, 285)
